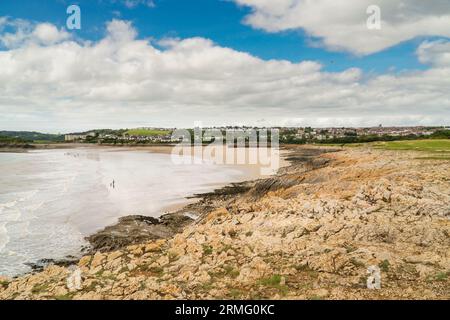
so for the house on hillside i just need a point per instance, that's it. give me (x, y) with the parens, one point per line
(78, 136)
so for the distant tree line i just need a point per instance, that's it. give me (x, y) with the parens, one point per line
(30, 136)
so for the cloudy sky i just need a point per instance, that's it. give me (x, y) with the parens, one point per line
(258, 62)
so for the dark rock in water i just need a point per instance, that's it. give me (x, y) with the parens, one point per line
(229, 190)
(135, 230)
(143, 219)
(41, 264)
(17, 145)
(174, 221)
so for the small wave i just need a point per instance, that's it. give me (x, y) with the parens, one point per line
(18, 197)
(4, 239)
(8, 205)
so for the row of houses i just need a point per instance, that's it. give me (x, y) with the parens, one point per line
(154, 139)
(83, 137)
(336, 133)
(73, 137)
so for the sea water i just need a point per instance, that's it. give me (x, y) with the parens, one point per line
(51, 199)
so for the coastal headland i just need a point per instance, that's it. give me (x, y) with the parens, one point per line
(312, 231)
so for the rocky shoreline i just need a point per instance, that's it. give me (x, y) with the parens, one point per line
(138, 229)
(309, 232)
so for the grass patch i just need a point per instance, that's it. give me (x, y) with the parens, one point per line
(4, 284)
(440, 157)
(99, 274)
(228, 271)
(441, 276)
(440, 148)
(207, 250)
(231, 272)
(384, 265)
(274, 282)
(363, 281)
(416, 145)
(39, 288)
(206, 287)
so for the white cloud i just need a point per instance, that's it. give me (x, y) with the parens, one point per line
(27, 33)
(134, 3)
(341, 24)
(57, 83)
(435, 52)
(46, 33)
(121, 31)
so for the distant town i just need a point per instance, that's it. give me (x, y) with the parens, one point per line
(288, 135)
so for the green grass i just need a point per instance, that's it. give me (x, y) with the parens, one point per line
(272, 281)
(442, 276)
(148, 132)
(417, 145)
(439, 147)
(275, 283)
(384, 265)
(4, 284)
(39, 288)
(207, 250)
(231, 272)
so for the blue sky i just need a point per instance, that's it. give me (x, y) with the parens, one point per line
(223, 62)
(218, 20)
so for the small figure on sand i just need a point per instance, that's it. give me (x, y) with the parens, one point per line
(113, 184)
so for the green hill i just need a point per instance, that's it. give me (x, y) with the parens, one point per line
(148, 132)
(31, 136)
